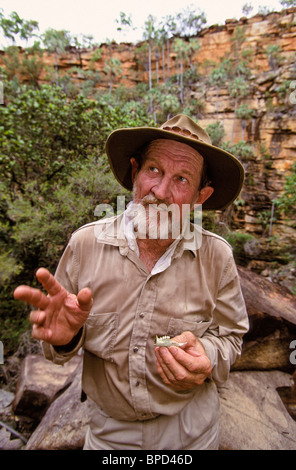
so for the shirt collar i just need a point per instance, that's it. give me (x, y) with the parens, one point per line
(119, 231)
(189, 239)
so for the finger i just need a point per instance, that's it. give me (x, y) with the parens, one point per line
(38, 317)
(163, 373)
(167, 378)
(191, 361)
(50, 284)
(170, 368)
(41, 333)
(31, 296)
(84, 299)
(186, 337)
(162, 368)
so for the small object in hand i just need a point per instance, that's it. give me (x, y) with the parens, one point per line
(166, 341)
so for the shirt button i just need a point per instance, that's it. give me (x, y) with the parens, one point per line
(136, 349)
(142, 315)
(137, 383)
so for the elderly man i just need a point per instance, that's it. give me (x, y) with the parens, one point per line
(117, 288)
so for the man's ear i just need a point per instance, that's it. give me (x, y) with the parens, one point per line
(135, 167)
(204, 194)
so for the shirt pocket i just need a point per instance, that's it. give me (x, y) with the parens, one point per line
(178, 325)
(101, 333)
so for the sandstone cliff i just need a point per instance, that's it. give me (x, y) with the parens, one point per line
(266, 47)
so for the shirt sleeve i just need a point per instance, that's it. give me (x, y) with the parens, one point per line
(223, 340)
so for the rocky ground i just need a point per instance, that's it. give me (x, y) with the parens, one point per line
(42, 409)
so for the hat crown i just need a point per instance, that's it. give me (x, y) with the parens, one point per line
(184, 125)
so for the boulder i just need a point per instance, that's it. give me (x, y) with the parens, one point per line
(268, 304)
(271, 352)
(6, 441)
(272, 314)
(9, 439)
(253, 416)
(63, 427)
(39, 382)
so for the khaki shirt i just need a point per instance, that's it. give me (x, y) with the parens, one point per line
(198, 292)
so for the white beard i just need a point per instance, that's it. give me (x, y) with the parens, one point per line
(154, 219)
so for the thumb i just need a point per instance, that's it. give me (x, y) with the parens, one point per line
(84, 299)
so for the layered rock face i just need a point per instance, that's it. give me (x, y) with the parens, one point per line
(267, 44)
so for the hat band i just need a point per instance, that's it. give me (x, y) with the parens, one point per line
(182, 131)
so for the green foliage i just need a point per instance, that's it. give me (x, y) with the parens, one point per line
(238, 240)
(242, 150)
(216, 132)
(288, 3)
(14, 26)
(245, 112)
(273, 53)
(54, 171)
(54, 174)
(43, 134)
(286, 203)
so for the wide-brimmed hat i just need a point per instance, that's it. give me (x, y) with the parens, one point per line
(224, 171)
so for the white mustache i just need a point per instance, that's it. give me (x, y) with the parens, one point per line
(152, 200)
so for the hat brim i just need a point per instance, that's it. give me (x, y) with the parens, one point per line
(225, 171)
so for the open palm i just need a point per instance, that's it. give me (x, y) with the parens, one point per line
(59, 315)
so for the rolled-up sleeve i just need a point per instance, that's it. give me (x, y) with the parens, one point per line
(223, 340)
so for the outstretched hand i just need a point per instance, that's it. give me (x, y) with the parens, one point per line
(59, 315)
(186, 367)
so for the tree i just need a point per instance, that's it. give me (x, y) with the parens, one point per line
(56, 42)
(32, 64)
(161, 41)
(194, 47)
(287, 201)
(149, 35)
(247, 9)
(218, 78)
(80, 43)
(288, 3)
(189, 22)
(245, 113)
(112, 69)
(11, 62)
(14, 26)
(54, 173)
(216, 132)
(274, 56)
(125, 23)
(238, 88)
(237, 40)
(181, 47)
(168, 29)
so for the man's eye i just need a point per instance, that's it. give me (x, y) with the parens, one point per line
(153, 169)
(182, 178)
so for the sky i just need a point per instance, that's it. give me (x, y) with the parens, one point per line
(97, 17)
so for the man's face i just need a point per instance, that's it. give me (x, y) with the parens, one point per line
(170, 174)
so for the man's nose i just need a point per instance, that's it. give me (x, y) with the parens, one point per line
(162, 189)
